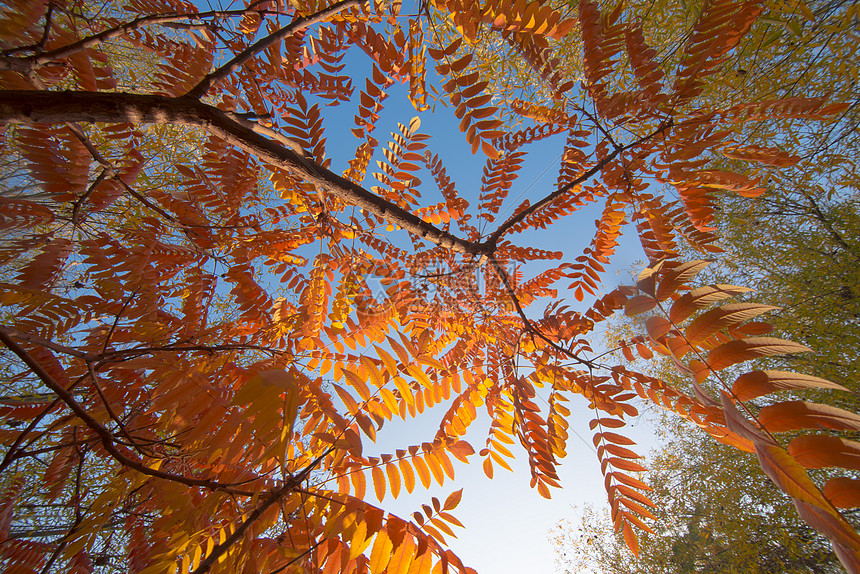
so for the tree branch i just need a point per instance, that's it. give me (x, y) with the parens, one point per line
(29, 63)
(239, 59)
(289, 486)
(107, 438)
(827, 224)
(529, 325)
(31, 107)
(56, 347)
(507, 225)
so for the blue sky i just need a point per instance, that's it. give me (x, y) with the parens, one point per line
(506, 522)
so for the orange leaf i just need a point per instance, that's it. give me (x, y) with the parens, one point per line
(758, 383)
(739, 424)
(609, 423)
(461, 449)
(726, 316)
(435, 467)
(381, 552)
(843, 492)
(630, 481)
(793, 415)
(734, 352)
(634, 494)
(405, 391)
(387, 360)
(845, 540)
(699, 298)
(453, 500)
(672, 278)
(408, 475)
(637, 508)
(488, 468)
(624, 464)
(402, 557)
(378, 482)
(423, 471)
(358, 384)
(814, 451)
(422, 563)
(371, 367)
(420, 376)
(637, 521)
(359, 483)
(393, 479)
(620, 451)
(630, 539)
(790, 476)
(617, 438)
(639, 304)
(347, 399)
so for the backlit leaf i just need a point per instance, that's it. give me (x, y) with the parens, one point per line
(793, 415)
(738, 351)
(758, 383)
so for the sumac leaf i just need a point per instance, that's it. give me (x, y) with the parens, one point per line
(758, 383)
(793, 415)
(738, 351)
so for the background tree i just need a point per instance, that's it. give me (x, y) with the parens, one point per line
(714, 514)
(174, 392)
(795, 244)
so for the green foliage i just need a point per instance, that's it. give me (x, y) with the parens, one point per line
(715, 513)
(798, 246)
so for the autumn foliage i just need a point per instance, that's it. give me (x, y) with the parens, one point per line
(206, 324)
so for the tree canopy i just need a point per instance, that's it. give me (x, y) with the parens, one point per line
(207, 321)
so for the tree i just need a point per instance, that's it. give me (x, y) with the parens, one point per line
(714, 514)
(172, 398)
(796, 246)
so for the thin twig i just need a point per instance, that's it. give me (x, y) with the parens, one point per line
(107, 438)
(529, 325)
(80, 201)
(131, 441)
(213, 78)
(507, 225)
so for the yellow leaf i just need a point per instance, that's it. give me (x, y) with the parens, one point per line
(381, 552)
(378, 482)
(359, 541)
(420, 376)
(422, 563)
(403, 556)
